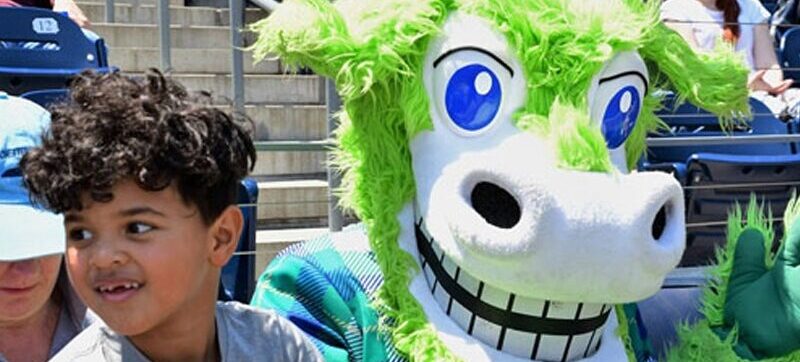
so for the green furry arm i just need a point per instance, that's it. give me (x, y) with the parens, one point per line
(749, 308)
(700, 342)
(715, 293)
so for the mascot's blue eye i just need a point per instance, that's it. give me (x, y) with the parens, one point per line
(620, 116)
(473, 97)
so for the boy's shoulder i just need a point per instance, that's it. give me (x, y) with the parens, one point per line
(247, 333)
(99, 343)
(243, 332)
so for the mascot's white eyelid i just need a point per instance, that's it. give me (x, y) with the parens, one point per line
(470, 89)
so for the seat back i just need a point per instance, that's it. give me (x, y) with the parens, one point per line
(716, 183)
(789, 53)
(41, 49)
(46, 97)
(717, 177)
(238, 276)
(687, 120)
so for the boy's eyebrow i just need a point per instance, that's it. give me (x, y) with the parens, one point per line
(70, 217)
(140, 210)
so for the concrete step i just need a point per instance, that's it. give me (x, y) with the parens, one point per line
(288, 122)
(260, 89)
(187, 61)
(270, 242)
(180, 15)
(282, 200)
(289, 163)
(146, 36)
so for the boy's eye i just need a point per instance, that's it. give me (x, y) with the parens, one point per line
(80, 234)
(138, 228)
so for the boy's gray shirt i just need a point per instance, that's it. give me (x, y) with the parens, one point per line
(244, 333)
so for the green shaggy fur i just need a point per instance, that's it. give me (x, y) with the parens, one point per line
(716, 291)
(374, 50)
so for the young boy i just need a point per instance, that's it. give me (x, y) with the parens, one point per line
(146, 177)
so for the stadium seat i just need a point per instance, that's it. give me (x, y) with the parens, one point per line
(238, 276)
(717, 182)
(789, 53)
(716, 177)
(689, 121)
(42, 49)
(46, 97)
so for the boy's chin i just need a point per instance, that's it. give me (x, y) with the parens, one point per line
(125, 322)
(126, 326)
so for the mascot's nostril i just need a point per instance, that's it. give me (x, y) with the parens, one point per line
(660, 222)
(496, 205)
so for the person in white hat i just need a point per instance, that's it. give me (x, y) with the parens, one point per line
(39, 312)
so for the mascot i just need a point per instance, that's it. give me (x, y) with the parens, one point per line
(487, 145)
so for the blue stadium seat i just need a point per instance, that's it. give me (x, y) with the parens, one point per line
(46, 97)
(789, 54)
(710, 173)
(238, 276)
(42, 49)
(717, 182)
(689, 121)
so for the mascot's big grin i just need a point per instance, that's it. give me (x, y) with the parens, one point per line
(518, 325)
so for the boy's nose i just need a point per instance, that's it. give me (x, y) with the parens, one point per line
(107, 255)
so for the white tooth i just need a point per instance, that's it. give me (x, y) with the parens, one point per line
(127, 285)
(135, 285)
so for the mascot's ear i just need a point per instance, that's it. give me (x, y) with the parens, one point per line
(715, 81)
(357, 43)
(304, 33)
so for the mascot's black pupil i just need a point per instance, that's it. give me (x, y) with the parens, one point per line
(496, 205)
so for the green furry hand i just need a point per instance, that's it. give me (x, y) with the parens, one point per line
(765, 302)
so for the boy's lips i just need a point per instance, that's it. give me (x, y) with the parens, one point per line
(117, 290)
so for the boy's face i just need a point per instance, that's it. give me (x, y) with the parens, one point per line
(144, 259)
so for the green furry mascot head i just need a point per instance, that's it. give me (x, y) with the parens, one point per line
(501, 133)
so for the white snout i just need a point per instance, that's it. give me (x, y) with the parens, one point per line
(577, 236)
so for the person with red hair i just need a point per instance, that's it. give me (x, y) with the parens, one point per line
(66, 6)
(743, 24)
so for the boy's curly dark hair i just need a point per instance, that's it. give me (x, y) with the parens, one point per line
(149, 130)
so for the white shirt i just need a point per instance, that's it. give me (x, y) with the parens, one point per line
(706, 24)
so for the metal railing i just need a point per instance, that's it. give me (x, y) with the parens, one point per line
(237, 17)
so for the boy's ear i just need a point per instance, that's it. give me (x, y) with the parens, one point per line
(225, 235)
